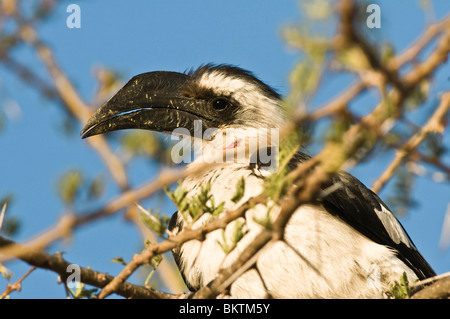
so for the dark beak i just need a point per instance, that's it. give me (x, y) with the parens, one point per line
(153, 101)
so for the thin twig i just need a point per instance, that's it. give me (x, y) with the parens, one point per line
(17, 286)
(72, 101)
(434, 124)
(324, 166)
(174, 241)
(438, 289)
(69, 222)
(57, 264)
(2, 214)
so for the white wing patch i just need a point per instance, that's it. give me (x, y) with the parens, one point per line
(393, 227)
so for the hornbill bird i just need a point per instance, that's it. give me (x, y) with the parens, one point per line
(347, 244)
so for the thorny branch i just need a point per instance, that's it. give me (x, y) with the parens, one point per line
(433, 125)
(56, 263)
(63, 90)
(338, 104)
(72, 100)
(311, 179)
(70, 221)
(174, 241)
(352, 141)
(16, 286)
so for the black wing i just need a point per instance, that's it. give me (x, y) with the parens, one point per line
(363, 210)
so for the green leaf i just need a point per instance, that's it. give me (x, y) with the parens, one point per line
(276, 184)
(11, 226)
(433, 146)
(240, 190)
(400, 289)
(7, 199)
(219, 209)
(81, 292)
(119, 260)
(192, 208)
(338, 128)
(96, 187)
(69, 185)
(387, 52)
(5, 272)
(265, 220)
(237, 234)
(155, 221)
(400, 199)
(141, 143)
(178, 196)
(318, 9)
(354, 59)
(154, 263)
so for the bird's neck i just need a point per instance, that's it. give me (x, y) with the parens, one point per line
(238, 147)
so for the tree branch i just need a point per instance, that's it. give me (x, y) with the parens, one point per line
(17, 286)
(57, 264)
(70, 222)
(175, 241)
(439, 289)
(72, 101)
(434, 124)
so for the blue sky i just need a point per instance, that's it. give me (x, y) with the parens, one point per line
(140, 36)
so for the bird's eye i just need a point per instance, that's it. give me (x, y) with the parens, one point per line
(220, 103)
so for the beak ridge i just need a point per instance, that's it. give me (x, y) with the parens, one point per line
(153, 101)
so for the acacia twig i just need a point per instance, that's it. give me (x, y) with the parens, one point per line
(16, 286)
(330, 160)
(174, 241)
(72, 101)
(438, 289)
(69, 222)
(57, 264)
(433, 124)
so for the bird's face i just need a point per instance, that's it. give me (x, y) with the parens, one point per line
(211, 97)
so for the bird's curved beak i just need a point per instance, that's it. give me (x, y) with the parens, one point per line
(153, 101)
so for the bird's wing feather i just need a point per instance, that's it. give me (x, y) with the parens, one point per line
(175, 227)
(363, 210)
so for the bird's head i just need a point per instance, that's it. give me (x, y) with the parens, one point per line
(221, 97)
